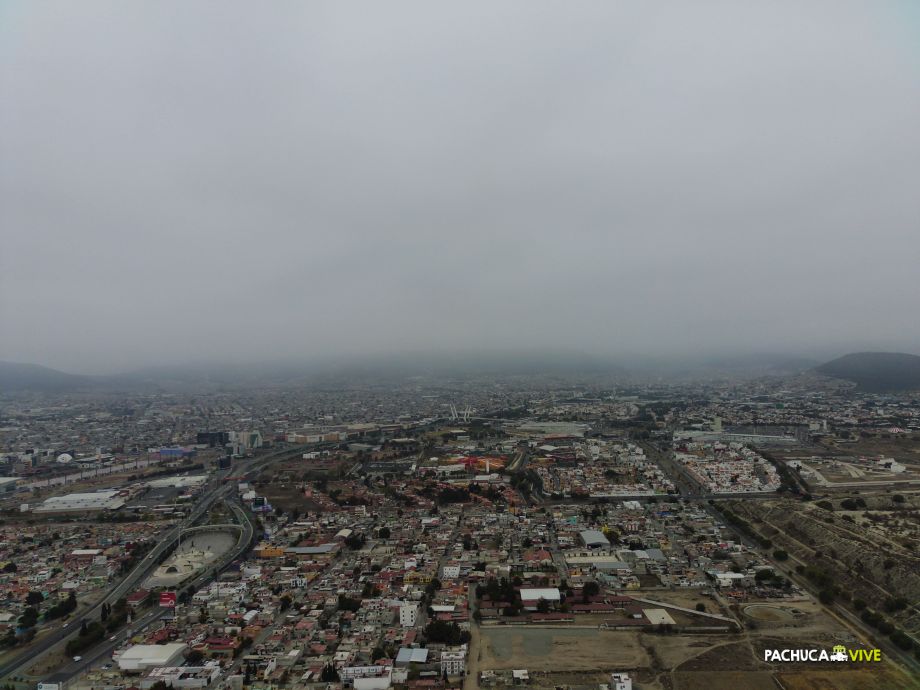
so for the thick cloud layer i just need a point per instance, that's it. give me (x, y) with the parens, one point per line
(256, 180)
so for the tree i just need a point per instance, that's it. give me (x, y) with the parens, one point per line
(34, 598)
(901, 639)
(894, 604)
(329, 674)
(194, 656)
(780, 555)
(432, 587)
(701, 607)
(28, 618)
(348, 604)
(446, 632)
(384, 533)
(355, 541)
(12, 567)
(542, 605)
(590, 589)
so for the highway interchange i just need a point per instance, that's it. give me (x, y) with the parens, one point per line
(218, 488)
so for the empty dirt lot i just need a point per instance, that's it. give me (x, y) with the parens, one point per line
(881, 678)
(726, 680)
(558, 649)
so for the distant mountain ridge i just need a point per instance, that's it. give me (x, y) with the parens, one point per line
(871, 371)
(16, 376)
(876, 372)
(21, 377)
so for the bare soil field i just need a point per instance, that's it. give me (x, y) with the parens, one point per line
(686, 598)
(843, 472)
(902, 447)
(559, 649)
(289, 497)
(726, 680)
(729, 657)
(881, 678)
(673, 650)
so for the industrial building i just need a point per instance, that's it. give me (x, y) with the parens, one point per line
(78, 503)
(141, 657)
(410, 655)
(530, 597)
(180, 482)
(594, 539)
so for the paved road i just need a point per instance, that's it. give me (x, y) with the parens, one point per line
(215, 489)
(127, 585)
(105, 649)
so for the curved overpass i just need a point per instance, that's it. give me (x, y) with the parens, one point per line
(215, 489)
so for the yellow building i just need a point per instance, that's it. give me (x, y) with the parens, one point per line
(269, 551)
(414, 577)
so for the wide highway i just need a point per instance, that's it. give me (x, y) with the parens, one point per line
(216, 489)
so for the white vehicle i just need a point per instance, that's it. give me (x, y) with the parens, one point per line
(78, 658)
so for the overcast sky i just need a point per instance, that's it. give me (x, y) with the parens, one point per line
(188, 180)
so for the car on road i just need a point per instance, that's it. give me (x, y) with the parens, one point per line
(78, 658)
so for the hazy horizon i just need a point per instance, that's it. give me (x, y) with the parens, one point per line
(296, 181)
(474, 362)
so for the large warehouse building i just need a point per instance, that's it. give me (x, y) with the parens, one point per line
(594, 539)
(141, 657)
(80, 503)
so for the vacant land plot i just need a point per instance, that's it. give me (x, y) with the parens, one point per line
(903, 447)
(726, 680)
(559, 650)
(881, 678)
(289, 497)
(686, 598)
(673, 650)
(727, 657)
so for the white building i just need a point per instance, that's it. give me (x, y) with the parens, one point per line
(620, 681)
(408, 614)
(98, 500)
(366, 677)
(187, 677)
(530, 597)
(453, 663)
(141, 657)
